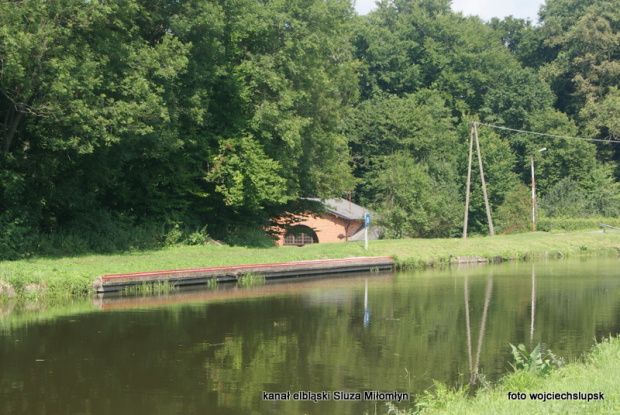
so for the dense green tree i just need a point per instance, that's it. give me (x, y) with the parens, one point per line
(564, 157)
(221, 113)
(270, 84)
(516, 211)
(171, 112)
(419, 123)
(85, 99)
(515, 95)
(585, 38)
(409, 45)
(412, 201)
(404, 153)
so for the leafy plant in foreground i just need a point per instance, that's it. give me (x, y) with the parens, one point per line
(535, 361)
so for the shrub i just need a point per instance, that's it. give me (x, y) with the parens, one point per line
(516, 209)
(16, 238)
(535, 362)
(575, 224)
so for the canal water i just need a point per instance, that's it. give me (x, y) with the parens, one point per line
(232, 350)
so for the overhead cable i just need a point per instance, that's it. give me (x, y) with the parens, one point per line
(609, 140)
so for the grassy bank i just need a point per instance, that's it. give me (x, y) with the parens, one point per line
(73, 275)
(598, 371)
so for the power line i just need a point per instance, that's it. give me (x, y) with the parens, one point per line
(547, 135)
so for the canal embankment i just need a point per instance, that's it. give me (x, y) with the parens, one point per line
(216, 275)
(71, 276)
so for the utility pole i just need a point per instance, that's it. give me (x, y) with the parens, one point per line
(474, 133)
(471, 150)
(534, 189)
(533, 194)
(484, 185)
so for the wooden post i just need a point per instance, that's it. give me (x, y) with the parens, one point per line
(471, 150)
(533, 194)
(484, 185)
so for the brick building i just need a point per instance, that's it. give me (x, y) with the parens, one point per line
(341, 221)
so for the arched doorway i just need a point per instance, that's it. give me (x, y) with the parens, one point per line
(300, 235)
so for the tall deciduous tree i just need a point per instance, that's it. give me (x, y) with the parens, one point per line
(164, 110)
(404, 150)
(586, 40)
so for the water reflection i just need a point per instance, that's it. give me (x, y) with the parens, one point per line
(216, 351)
(533, 315)
(473, 368)
(366, 310)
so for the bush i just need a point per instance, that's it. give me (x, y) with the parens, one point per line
(180, 235)
(565, 199)
(575, 224)
(100, 232)
(16, 238)
(516, 210)
(250, 236)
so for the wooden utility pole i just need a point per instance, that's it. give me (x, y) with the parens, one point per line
(534, 189)
(484, 184)
(471, 150)
(474, 133)
(533, 194)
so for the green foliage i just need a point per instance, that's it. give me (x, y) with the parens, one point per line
(516, 34)
(15, 237)
(128, 107)
(217, 113)
(97, 232)
(518, 93)
(246, 176)
(250, 280)
(419, 123)
(198, 237)
(516, 209)
(412, 203)
(404, 148)
(248, 235)
(102, 232)
(535, 361)
(185, 236)
(565, 199)
(601, 117)
(561, 224)
(441, 397)
(569, 200)
(584, 36)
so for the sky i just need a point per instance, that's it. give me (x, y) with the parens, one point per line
(486, 9)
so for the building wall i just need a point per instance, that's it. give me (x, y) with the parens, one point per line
(328, 228)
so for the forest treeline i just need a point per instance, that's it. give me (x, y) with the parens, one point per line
(139, 123)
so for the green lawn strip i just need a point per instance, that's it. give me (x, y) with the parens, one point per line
(73, 275)
(598, 371)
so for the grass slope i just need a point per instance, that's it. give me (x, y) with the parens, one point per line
(73, 275)
(598, 371)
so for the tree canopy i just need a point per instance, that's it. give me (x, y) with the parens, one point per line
(217, 114)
